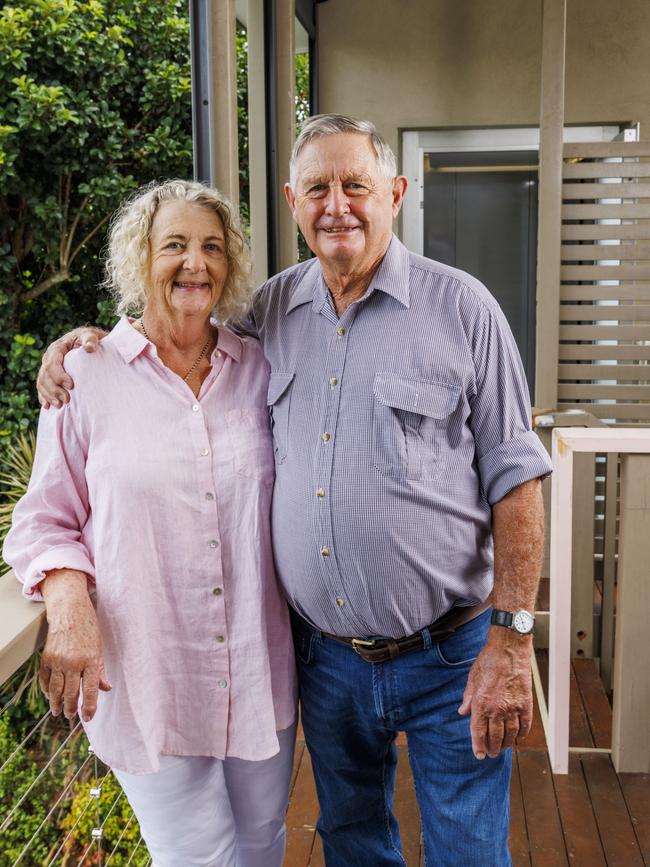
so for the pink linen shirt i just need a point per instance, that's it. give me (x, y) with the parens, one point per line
(163, 499)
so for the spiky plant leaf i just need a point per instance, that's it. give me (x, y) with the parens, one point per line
(14, 477)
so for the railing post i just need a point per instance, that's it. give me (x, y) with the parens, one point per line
(609, 573)
(582, 558)
(631, 706)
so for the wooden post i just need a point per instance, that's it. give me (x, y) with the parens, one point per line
(224, 95)
(559, 658)
(257, 140)
(582, 558)
(550, 202)
(631, 707)
(609, 573)
(286, 108)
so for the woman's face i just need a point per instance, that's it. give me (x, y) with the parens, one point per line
(188, 266)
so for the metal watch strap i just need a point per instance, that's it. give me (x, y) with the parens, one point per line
(502, 618)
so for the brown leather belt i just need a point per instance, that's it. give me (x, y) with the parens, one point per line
(382, 649)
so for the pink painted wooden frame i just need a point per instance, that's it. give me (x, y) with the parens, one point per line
(566, 441)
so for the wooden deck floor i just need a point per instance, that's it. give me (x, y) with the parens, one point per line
(588, 818)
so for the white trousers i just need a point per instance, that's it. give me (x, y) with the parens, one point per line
(203, 812)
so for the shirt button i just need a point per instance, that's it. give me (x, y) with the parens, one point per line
(325, 552)
(205, 452)
(209, 496)
(218, 355)
(217, 591)
(213, 543)
(223, 684)
(220, 639)
(340, 602)
(196, 407)
(326, 437)
(320, 492)
(340, 331)
(333, 381)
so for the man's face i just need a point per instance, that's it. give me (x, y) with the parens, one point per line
(343, 204)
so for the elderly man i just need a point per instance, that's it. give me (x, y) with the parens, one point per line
(407, 501)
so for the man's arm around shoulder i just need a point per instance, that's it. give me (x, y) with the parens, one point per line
(53, 383)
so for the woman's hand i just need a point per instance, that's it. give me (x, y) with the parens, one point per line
(53, 383)
(73, 650)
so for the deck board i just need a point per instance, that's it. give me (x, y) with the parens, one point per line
(546, 841)
(636, 791)
(579, 827)
(597, 708)
(590, 817)
(610, 810)
(580, 733)
(301, 816)
(406, 808)
(519, 846)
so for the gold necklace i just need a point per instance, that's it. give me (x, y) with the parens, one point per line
(196, 363)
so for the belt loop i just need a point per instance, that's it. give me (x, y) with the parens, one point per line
(426, 638)
(393, 648)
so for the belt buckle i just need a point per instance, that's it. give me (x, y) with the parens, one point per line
(359, 644)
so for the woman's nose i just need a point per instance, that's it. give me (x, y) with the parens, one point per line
(194, 259)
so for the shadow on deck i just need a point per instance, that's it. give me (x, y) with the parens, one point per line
(588, 818)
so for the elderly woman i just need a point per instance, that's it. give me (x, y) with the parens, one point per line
(152, 486)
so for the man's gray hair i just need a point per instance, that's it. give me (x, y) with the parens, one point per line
(320, 125)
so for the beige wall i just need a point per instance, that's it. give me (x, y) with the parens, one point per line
(440, 63)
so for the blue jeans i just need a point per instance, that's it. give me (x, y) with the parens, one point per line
(351, 713)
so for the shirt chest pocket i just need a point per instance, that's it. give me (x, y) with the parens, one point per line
(410, 426)
(250, 441)
(279, 401)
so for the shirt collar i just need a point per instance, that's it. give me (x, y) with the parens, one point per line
(392, 277)
(229, 343)
(129, 342)
(309, 284)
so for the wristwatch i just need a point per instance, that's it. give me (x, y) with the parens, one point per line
(522, 621)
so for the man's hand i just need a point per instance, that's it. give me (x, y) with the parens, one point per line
(499, 693)
(73, 649)
(53, 383)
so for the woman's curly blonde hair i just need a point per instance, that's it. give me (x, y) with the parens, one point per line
(127, 259)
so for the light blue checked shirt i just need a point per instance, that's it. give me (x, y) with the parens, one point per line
(395, 428)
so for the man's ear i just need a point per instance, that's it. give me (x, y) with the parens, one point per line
(291, 198)
(400, 185)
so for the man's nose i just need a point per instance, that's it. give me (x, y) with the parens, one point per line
(337, 203)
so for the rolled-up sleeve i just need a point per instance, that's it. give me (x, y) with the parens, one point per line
(50, 521)
(509, 452)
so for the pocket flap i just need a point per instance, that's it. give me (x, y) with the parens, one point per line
(416, 395)
(278, 384)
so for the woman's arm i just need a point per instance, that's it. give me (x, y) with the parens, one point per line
(46, 548)
(73, 648)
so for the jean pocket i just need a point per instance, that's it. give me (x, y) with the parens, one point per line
(410, 422)
(279, 402)
(304, 639)
(250, 441)
(463, 647)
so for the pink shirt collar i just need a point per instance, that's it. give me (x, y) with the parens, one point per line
(130, 343)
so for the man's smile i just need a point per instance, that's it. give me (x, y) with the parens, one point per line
(338, 230)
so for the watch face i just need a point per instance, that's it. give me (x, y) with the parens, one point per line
(523, 622)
